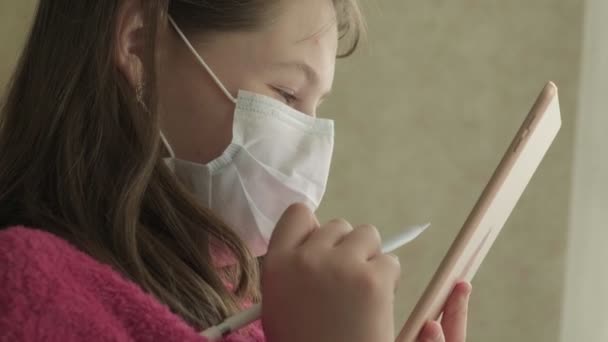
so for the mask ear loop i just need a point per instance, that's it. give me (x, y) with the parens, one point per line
(202, 61)
(167, 146)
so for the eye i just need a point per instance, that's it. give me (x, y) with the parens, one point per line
(288, 96)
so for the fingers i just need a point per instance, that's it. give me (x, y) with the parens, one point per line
(454, 319)
(388, 264)
(365, 239)
(329, 235)
(432, 332)
(293, 228)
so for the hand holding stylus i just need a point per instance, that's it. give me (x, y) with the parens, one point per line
(327, 283)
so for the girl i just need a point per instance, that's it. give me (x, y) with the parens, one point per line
(151, 149)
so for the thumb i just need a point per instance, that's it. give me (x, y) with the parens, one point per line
(294, 227)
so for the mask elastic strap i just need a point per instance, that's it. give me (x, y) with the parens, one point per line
(167, 146)
(201, 60)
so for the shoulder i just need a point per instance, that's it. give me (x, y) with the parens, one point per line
(22, 241)
(49, 290)
(34, 262)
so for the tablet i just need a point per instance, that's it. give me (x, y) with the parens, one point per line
(491, 211)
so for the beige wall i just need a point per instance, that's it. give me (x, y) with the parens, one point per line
(424, 111)
(586, 297)
(423, 114)
(15, 16)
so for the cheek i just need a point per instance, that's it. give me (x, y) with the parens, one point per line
(178, 75)
(181, 86)
(196, 116)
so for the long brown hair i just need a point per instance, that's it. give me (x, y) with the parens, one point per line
(82, 159)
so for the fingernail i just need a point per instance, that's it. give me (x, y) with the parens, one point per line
(463, 288)
(437, 332)
(432, 331)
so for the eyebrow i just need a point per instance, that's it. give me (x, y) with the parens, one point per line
(308, 71)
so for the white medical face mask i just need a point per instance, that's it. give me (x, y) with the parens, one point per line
(278, 156)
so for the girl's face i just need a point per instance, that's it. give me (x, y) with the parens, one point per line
(291, 59)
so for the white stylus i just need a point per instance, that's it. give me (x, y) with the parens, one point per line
(254, 313)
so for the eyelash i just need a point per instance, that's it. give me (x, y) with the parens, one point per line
(289, 98)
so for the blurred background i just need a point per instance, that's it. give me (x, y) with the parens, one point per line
(426, 108)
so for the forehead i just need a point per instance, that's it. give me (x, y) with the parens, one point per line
(302, 27)
(302, 19)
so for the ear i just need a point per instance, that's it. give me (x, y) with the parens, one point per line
(129, 38)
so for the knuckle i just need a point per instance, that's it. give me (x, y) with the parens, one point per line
(339, 222)
(305, 261)
(372, 231)
(369, 228)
